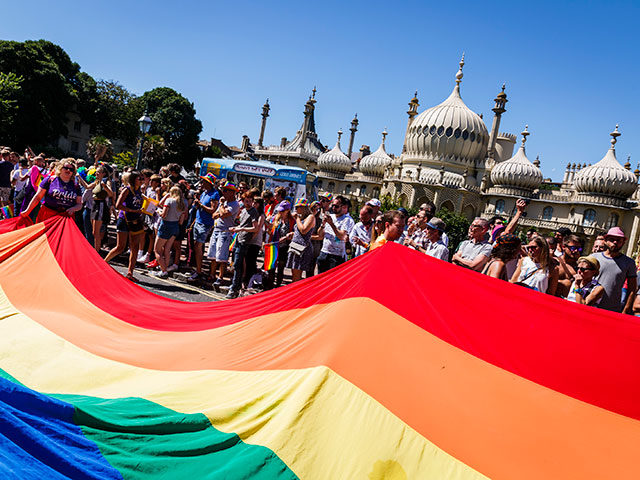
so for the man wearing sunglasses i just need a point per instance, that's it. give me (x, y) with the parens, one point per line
(335, 230)
(615, 268)
(475, 252)
(568, 262)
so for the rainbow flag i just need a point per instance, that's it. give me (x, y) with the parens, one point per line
(233, 241)
(270, 255)
(372, 370)
(7, 211)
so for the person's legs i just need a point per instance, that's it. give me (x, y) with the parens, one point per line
(296, 275)
(159, 249)
(134, 246)
(167, 251)
(251, 263)
(239, 255)
(97, 234)
(121, 244)
(282, 262)
(323, 262)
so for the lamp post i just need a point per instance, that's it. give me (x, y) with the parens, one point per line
(145, 124)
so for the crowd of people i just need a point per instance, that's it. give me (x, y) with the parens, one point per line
(164, 220)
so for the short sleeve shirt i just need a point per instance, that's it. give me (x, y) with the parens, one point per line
(60, 195)
(224, 224)
(206, 199)
(364, 234)
(470, 250)
(247, 217)
(613, 273)
(437, 249)
(331, 243)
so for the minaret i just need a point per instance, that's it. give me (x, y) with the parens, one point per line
(412, 112)
(353, 129)
(265, 114)
(308, 111)
(498, 110)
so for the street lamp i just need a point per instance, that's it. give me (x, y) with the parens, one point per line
(145, 124)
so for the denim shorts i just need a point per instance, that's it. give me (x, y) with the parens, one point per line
(168, 229)
(219, 246)
(201, 232)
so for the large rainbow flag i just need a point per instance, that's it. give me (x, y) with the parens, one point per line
(392, 366)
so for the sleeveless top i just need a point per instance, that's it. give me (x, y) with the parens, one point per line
(587, 289)
(300, 238)
(99, 193)
(533, 276)
(503, 275)
(134, 201)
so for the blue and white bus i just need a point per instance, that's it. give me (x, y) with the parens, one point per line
(298, 182)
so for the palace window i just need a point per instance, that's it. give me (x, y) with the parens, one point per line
(376, 192)
(500, 206)
(547, 213)
(589, 218)
(612, 221)
(363, 190)
(332, 186)
(347, 188)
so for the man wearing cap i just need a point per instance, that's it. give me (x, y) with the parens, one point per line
(336, 229)
(205, 206)
(615, 268)
(225, 218)
(434, 246)
(360, 236)
(375, 204)
(429, 209)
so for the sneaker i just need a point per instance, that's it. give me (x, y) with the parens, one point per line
(195, 276)
(160, 274)
(152, 264)
(172, 268)
(231, 295)
(144, 258)
(218, 282)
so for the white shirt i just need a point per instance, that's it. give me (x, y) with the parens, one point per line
(364, 234)
(437, 249)
(15, 175)
(331, 244)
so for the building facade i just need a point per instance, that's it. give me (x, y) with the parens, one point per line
(452, 159)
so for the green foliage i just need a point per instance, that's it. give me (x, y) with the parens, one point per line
(9, 91)
(154, 151)
(52, 86)
(389, 204)
(212, 152)
(457, 227)
(174, 119)
(117, 112)
(102, 145)
(124, 159)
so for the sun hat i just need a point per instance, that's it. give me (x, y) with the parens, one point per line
(615, 232)
(327, 195)
(593, 261)
(209, 177)
(302, 202)
(229, 186)
(282, 206)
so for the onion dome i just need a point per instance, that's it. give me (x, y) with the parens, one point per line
(335, 160)
(518, 171)
(607, 177)
(448, 130)
(375, 163)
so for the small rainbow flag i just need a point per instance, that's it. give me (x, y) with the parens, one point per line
(270, 255)
(233, 241)
(7, 211)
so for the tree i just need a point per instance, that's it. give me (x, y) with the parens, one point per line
(457, 227)
(124, 159)
(101, 145)
(174, 119)
(52, 86)
(9, 92)
(117, 112)
(154, 151)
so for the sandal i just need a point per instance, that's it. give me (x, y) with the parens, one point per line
(130, 277)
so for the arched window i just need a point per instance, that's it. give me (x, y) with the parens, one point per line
(547, 213)
(363, 190)
(589, 218)
(332, 186)
(612, 221)
(376, 192)
(347, 188)
(500, 206)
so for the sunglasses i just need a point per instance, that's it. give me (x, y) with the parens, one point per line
(584, 269)
(573, 248)
(71, 169)
(531, 248)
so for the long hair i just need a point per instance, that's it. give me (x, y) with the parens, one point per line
(543, 259)
(176, 192)
(131, 179)
(305, 211)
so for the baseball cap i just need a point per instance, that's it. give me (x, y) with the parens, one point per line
(436, 223)
(374, 202)
(282, 206)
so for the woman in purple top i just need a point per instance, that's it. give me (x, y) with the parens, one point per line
(129, 225)
(60, 194)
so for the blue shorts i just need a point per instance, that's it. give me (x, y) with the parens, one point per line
(201, 232)
(219, 246)
(121, 225)
(168, 229)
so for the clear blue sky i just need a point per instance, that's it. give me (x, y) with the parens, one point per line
(570, 67)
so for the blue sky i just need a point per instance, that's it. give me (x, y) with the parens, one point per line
(570, 67)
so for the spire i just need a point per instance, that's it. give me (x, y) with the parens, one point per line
(525, 134)
(637, 171)
(628, 164)
(265, 114)
(339, 135)
(353, 129)
(536, 162)
(614, 137)
(459, 75)
(384, 135)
